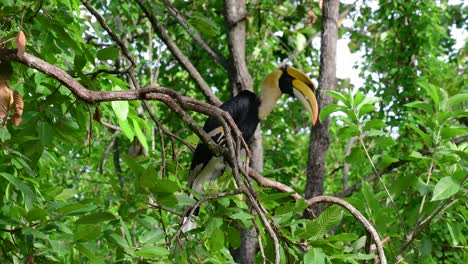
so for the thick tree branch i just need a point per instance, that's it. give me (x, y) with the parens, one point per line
(167, 96)
(178, 104)
(181, 58)
(194, 34)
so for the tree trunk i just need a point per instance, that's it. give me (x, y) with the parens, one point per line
(319, 140)
(240, 79)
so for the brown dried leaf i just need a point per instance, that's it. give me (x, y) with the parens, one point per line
(6, 99)
(18, 103)
(5, 70)
(16, 119)
(311, 17)
(21, 44)
(97, 115)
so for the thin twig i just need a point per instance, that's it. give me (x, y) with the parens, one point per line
(177, 53)
(418, 228)
(114, 36)
(178, 104)
(106, 153)
(189, 211)
(360, 138)
(194, 34)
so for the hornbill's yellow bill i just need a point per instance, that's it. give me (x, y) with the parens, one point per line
(247, 109)
(303, 89)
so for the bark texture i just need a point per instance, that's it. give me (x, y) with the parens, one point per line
(319, 139)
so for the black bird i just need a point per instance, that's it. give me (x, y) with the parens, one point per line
(247, 110)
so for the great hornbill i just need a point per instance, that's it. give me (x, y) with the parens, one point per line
(246, 109)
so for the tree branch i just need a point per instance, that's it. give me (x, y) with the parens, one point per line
(194, 34)
(417, 229)
(357, 215)
(178, 104)
(109, 31)
(181, 58)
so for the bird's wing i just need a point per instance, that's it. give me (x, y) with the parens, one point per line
(205, 166)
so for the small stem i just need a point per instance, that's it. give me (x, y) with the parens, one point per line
(382, 182)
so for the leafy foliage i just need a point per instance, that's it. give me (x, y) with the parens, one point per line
(100, 184)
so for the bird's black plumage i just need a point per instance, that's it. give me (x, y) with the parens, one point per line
(243, 108)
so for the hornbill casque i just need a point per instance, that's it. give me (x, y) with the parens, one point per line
(247, 110)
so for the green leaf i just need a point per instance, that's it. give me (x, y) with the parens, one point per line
(89, 254)
(421, 105)
(126, 231)
(126, 129)
(87, 232)
(4, 134)
(445, 188)
(369, 197)
(155, 235)
(368, 100)
(423, 188)
(120, 241)
(76, 208)
(318, 227)
(365, 109)
(386, 161)
(426, 246)
(374, 124)
(120, 109)
(36, 214)
(343, 237)
(234, 237)
(203, 24)
(66, 194)
(450, 132)
(21, 186)
(432, 91)
(453, 234)
(79, 62)
(46, 133)
(315, 255)
(140, 135)
(301, 41)
(108, 53)
(457, 99)
(424, 136)
(164, 186)
(95, 218)
(152, 252)
(241, 215)
(337, 95)
(329, 109)
(216, 239)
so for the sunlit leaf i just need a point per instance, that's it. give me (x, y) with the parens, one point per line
(120, 109)
(445, 188)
